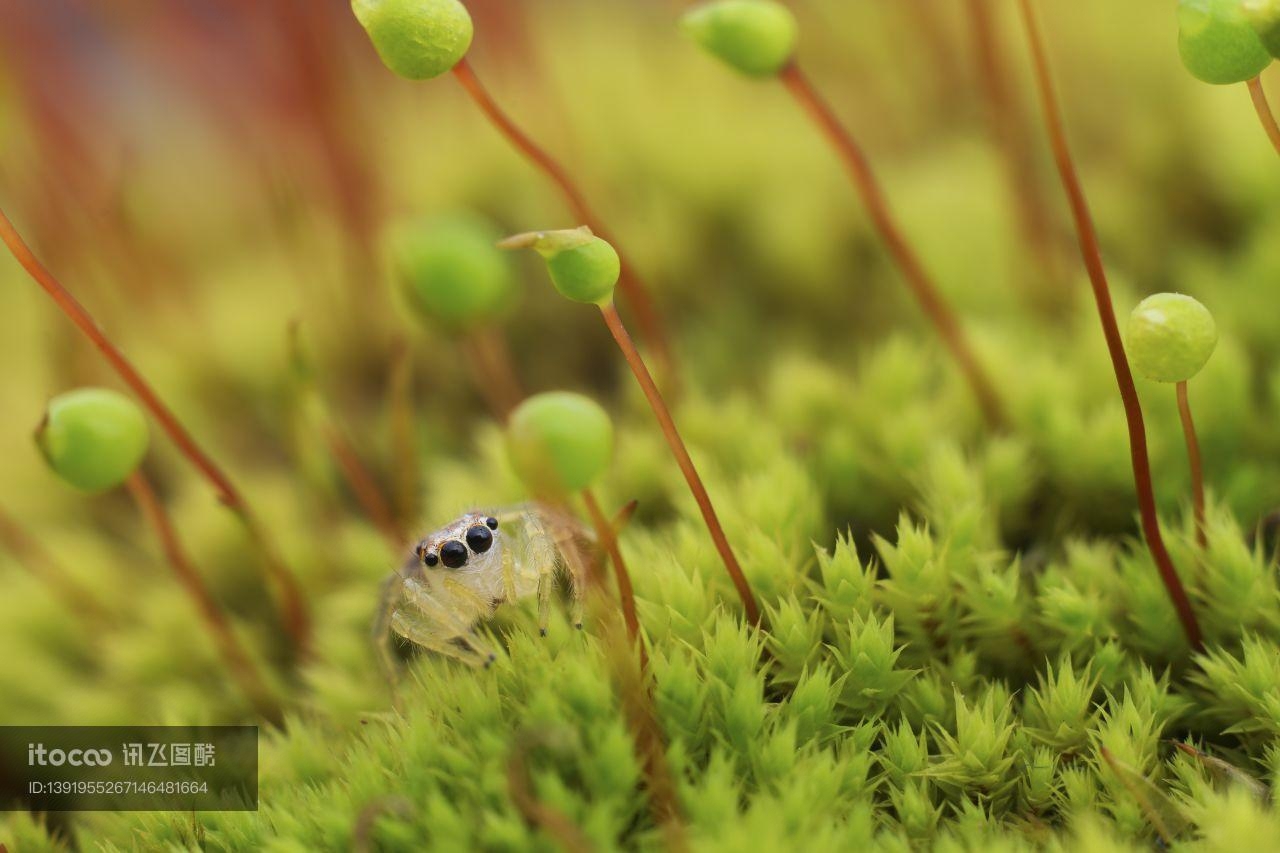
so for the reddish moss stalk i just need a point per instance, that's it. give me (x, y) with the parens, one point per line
(1197, 466)
(1009, 131)
(1134, 783)
(365, 487)
(1092, 254)
(608, 538)
(536, 813)
(403, 438)
(650, 746)
(922, 287)
(1268, 118)
(296, 617)
(238, 662)
(41, 564)
(636, 294)
(495, 375)
(681, 453)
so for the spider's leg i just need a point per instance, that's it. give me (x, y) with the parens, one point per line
(508, 514)
(540, 553)
(509, 576)
(457, 624)
(477, 605)
(427, 634)
(578, 578)
(388, 598)
(546, 580)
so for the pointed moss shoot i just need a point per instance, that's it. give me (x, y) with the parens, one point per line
(457, 281)
(758, 38)
(93, 438)
(585, 268)
(1170, 339)
(1231, 41)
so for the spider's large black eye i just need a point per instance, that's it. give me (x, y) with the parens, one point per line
(453, 554)
(492, 523)
(479, 539)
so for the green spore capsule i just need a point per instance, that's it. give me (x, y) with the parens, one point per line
(1265, 17)
(1218, 42)
(559, 442)
(583, 267)
(1170, 337)
(417, 39)
(757, 37)
(93, 438)
(451, 271)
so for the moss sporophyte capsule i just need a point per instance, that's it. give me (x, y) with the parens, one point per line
(1265, 17)
(417, 39)
(1170, 337)
(1218, 41)
(583, 267)
(93, 438)
(757, 37)
(559, 442)
(450, 270)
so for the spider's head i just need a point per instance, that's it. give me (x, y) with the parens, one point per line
(457, 544)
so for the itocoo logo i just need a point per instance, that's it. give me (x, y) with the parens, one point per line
(39, 756)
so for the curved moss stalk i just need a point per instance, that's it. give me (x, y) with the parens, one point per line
(364, 486)
(1268, 118)
(1092, 255)
(235, 657)
(1197, 466)
(607, 534)
(922, 287)
(637, 295)
(495, 375)
(1009, 131)
(536, 813)
(30, 554)
(650, 388)
(297, 619)
(362, 482)
(403, 435)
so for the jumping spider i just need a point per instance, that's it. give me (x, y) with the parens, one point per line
(458, 575)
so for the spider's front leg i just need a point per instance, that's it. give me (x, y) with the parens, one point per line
(434, 636)
(436, 624)
(552, 541)
(388, 601)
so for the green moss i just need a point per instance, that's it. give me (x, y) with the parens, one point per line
(957, 623)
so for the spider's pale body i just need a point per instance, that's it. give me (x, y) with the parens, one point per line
(459, 574)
